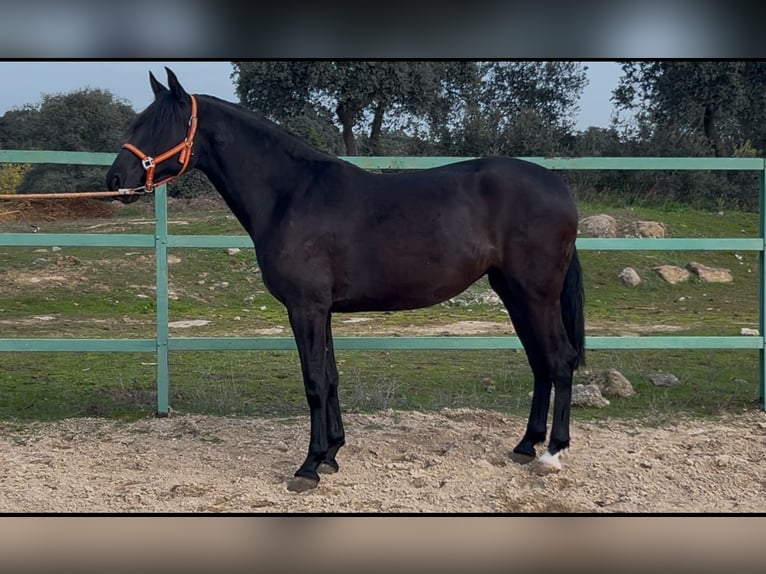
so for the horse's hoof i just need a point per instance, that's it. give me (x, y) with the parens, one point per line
(301, 484)
(524, 453)
(521, 458)
(548, 463)
(327, 468)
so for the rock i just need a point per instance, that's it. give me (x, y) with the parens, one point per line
(55, 248)
(588, 396)
(629, 277)
(710, 274)
(610, 382)
(599, 225)
(173, 259)
(746, 331)
(664, 380)
(647, 229)
(233, 250)
(672, 274)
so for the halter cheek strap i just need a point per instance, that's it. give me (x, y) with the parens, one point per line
(185, 148)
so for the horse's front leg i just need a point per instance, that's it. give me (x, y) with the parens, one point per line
(309, 329)
(336, 437)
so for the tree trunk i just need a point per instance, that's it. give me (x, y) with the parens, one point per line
(377, 123)
(711, 130)
(346, 116)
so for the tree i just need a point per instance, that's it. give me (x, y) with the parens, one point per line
(551, 89)
(719, 105)
(516, 108)
(377, 94)
(83, 120)
(18, 128)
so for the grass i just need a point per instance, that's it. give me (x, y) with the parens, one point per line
(87, 292)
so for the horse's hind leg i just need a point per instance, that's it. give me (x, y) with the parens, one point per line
(538, 416)
(560, 358)
(536, 313)
(336, 437)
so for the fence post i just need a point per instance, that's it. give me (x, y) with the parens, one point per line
(161, 263)
(762, 289)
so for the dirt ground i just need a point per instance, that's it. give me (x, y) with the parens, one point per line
(452, 461)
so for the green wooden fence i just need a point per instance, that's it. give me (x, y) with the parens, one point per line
(160, 241)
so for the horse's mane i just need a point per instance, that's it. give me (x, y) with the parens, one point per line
(164, 111)
(293, 144)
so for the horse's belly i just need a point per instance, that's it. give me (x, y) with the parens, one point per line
(384, 288)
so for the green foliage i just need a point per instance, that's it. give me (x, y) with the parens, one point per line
(515, 108)
(18, 127)
(457, 108)
(378, 94)
(317, 128)
(83, 120)
(715, 105)
(11, 176)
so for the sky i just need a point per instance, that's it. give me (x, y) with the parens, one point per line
(24, 82)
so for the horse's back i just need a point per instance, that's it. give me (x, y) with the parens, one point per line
(414, 239)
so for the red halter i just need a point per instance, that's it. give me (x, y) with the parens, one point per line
(185, 147)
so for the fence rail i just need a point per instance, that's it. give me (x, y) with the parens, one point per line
(160, 241)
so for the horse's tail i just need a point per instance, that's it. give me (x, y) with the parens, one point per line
(572, 303)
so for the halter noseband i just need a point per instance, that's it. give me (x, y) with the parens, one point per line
(185, 147)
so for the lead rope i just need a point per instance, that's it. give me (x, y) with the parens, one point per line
(67, 195)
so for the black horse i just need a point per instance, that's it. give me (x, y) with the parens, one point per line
(332, 237)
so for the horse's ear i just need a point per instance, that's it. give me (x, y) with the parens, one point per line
(175, 86)
(157, 88)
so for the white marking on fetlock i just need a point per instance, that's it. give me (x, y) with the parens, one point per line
(551, 460)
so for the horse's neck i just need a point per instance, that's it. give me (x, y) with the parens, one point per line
(248, 167)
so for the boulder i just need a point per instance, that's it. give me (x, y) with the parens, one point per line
(647, 229)
(599, 225)
(610, 382)
(664, 380)
(672, 274)
(588, 396)
(630, 277)
(710, 274)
